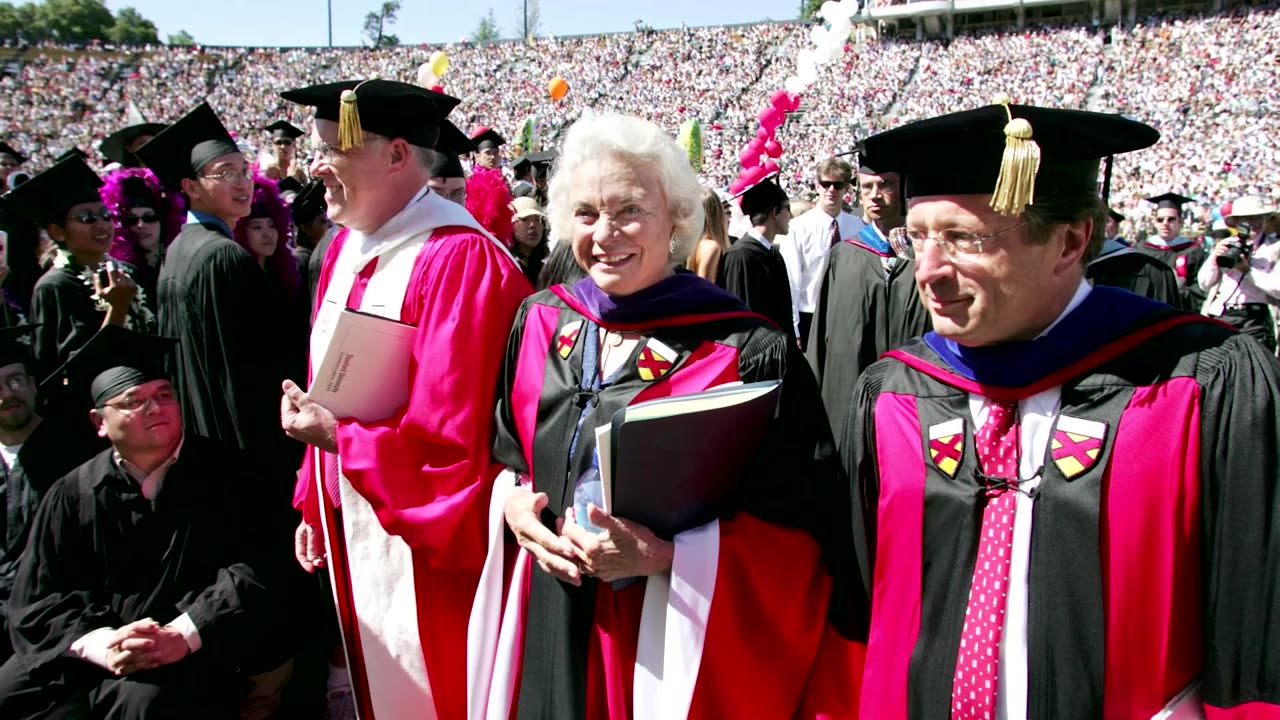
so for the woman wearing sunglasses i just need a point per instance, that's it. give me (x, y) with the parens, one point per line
(85, 289)
(146, 221)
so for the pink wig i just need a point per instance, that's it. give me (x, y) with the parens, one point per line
(128, 188)
(489, 202)
(267, 203)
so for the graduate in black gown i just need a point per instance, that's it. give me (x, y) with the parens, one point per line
(35, 452)
(19, 253)
(1065, 494)
(755, 270)
(85, 289)
(133, 599)
(1124, 267)
(315, 231)
(121, 146)
(215, 298)
(1185, 255)
(867, 302)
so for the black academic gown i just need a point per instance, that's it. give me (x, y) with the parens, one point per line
(102, 555)
(758, 275)
(316, 261)
(67, 315)
(862, 313)
(1185, 258)
(1136, 272)
(1154, 558)
(231, 355)
(792, 484)
(47, 455)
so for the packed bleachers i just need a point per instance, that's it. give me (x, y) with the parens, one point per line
(1191, 76)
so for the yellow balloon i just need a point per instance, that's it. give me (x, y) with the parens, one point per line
(439, 63)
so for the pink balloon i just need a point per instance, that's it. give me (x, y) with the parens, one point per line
(756, 145)
(769, 168)
(753, 175)
(795, 103)
(736, 186)
(770, 119)
(773, 149)
(764, 134)
(780, 101)
(749, 159)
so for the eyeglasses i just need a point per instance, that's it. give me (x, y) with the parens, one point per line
(135, 403)
(89, 217)
(837, 184)
(282, 143)
(328, 153)
(131, 220)
(1167, 219)
(231, 177)
(907, 243)
(17, 383)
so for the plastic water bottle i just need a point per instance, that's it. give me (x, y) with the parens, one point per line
(588, 490)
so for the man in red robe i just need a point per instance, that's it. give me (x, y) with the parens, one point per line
(395, 507)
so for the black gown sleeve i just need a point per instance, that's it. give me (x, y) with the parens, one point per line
(48, 611)
(507, 448)
(50, 317)
(816, 353)
(858, 463)
(739, 276)
(1240, 465)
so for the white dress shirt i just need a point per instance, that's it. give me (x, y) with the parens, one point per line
(1036, 417)
(805, 252)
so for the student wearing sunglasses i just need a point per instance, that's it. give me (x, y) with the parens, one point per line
(85, 289)
(146, 221)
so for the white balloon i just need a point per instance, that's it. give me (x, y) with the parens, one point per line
(830, 10)
(426, 78)
(829, 53)
(795, 85)
(841, 29)
(818, 35)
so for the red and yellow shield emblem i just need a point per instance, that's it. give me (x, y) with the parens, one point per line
(946, 445)
(1076, 444)
(655, 360)
(567, 338)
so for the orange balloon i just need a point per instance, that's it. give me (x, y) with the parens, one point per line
(558, 88)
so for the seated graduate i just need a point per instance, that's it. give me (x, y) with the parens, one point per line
(626, 201)
(35, 451)
(134, 598)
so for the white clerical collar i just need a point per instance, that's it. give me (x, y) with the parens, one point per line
(1158, 242)
(392, 227)
(759, 238)
(1082, 292)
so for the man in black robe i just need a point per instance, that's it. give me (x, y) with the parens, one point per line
(311, 217)
(867, 302)
(1064, 494)
(133, 598)
(753, 269)
(1185, 255)
(1119, 265)
(35, 452)
(216, 300)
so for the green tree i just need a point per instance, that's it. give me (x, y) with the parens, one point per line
(76, 21)
(131, 28)
(182, 37)
(9, 22)
(487, 30)
(377, 23)
(809, 8)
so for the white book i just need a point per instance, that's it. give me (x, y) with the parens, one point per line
(364, 373)
(1186, 705)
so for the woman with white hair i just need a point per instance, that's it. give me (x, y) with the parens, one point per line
(602, 617)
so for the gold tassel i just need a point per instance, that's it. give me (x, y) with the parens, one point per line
(1016, 186)
(350, 134)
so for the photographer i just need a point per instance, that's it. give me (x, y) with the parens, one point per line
(1239, 276)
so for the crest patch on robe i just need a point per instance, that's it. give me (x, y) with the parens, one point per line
(656, 359)
(567, 338)
(946, 445)
(1076, 444)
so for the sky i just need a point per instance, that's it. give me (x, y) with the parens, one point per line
(303, 22)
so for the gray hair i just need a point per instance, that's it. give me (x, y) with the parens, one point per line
(631, 140)
(1047, 214)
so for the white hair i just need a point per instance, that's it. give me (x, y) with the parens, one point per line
(636, 141)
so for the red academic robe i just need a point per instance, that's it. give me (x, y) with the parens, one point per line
(425, 471)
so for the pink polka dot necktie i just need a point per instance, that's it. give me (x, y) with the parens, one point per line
(973, 690)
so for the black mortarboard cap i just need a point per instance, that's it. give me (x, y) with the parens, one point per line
(289, 185)
(46, 198)
(762, 197)
(309, 202)
(15, 345)
(1170, 201)
(284, 129)
(185, 147)
(7, 149)
(385, 107)
(113, 148)
(1016, 153)
(873, 163)
(73, 152)
(113, 361)
(1115, 215)
(486, 138)
(452, 144)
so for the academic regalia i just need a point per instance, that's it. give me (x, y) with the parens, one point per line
(411, 490)
(863, 312)
(1152, 559)
(585, 652)
(1182, 254)
(758, 275)
(1137, 272)
(113, 147)
(102, 555)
